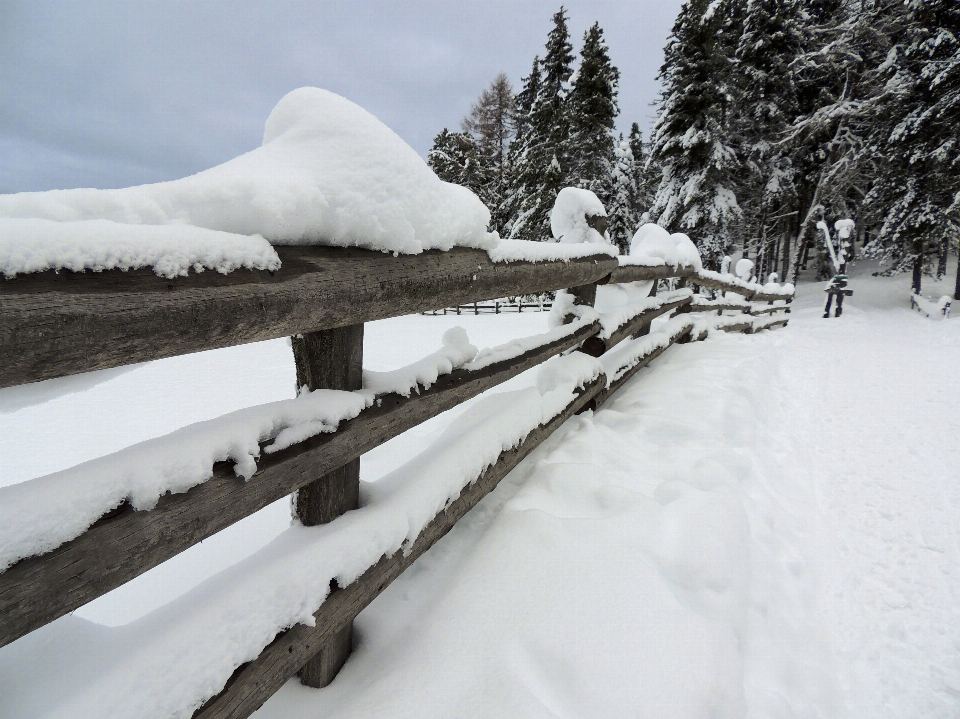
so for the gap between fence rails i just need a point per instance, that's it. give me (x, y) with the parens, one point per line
(255, 682)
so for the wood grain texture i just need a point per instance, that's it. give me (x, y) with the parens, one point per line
(329, 359)
(637, 273)
(125, 543)
(57, 324)
(255, 682)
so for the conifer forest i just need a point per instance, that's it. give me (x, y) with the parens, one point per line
(774, 115)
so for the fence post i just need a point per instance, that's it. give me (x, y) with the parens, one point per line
(329, 359)
(586, 295)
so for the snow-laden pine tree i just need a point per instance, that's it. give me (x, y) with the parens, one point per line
(454, 158)
(622, 203)
(919, 188)
(766, 105)
(690, 141)
(646, 173)
(539, 164)
(591, 111)
(835, 80)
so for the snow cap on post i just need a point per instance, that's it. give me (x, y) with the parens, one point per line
(744, 269)
(578, 216)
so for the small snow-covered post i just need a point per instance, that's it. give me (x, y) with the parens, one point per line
(329, 359)
(579, 216)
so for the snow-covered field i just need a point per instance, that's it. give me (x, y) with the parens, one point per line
(760, 526)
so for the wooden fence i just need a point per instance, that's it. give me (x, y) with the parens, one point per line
(493, 308)
(57, 324)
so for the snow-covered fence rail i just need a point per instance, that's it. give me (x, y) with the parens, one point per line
(54, 324)
(58, 558)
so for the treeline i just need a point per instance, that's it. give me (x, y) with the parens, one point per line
(778, 113)
(517, 151)
(774, 114)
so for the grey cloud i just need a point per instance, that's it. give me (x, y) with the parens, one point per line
(109, 94)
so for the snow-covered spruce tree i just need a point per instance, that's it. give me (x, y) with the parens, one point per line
(621, 205)
(837, 86)
(646, 173)
(540, 167)
(492, 123)
(922, 141)
(766, 105)
(454, 158)
(591, 111)
(696, 193)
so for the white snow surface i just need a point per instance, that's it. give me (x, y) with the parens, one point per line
(626, 355)
(533, 251)
(786, 290)
(43, 513)
(732, 299)
(935, 310)
(564, 307)
(612, 315)
(328, 172)
(568, 218)
(39, 515)
(35, 245)
(753, 526)
(229, 619)
(653, 245)
(514, 348)
(454, 354)
(844, 228)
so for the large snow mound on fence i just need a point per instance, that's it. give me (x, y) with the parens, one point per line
(653, 245)
(328, 172)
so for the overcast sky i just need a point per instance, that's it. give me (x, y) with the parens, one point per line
(111, 94)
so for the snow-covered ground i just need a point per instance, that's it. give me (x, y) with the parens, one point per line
(760, 526)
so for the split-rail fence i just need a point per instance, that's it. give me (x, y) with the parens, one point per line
(58, 324)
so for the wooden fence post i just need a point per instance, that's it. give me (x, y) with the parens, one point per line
(586, 295)
(329, 359)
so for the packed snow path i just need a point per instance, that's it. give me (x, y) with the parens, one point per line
(758, 526)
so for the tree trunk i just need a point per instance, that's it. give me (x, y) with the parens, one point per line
(956, 290)
(917, 266)
(942, 260)
(785, 254)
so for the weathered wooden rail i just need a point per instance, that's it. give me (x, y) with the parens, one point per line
(52, 325)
